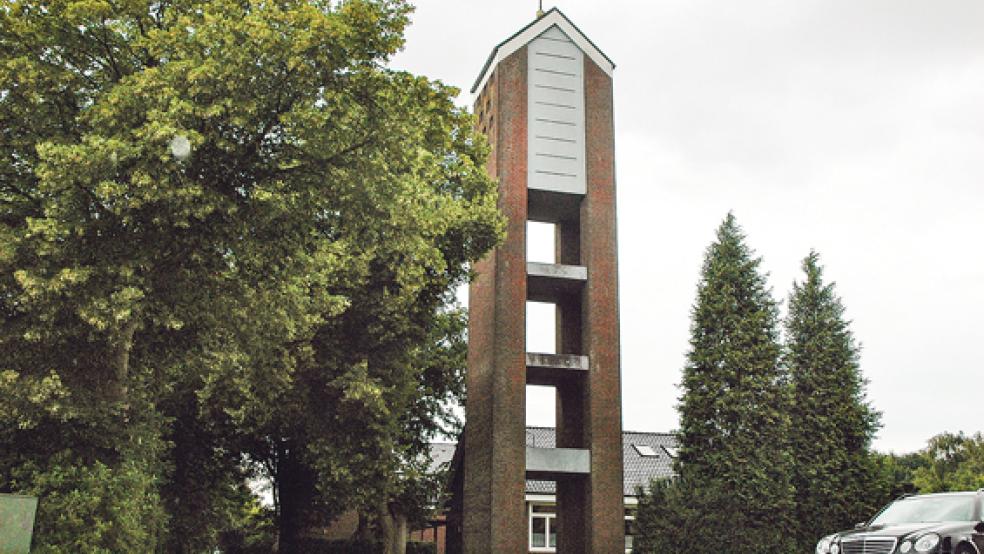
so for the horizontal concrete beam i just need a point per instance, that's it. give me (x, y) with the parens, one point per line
(554, 369)
(547, 463)
(557, 271)
(557, 361)
(551, 282)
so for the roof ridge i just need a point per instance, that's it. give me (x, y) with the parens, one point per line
(492, 56)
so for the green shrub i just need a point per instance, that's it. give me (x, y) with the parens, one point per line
(93, 508)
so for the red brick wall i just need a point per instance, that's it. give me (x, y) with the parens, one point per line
(437, 533)
(590, 509)
(495, 460)
(599, 251)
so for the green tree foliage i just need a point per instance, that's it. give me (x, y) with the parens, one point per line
(227, 233)
(952, 462)
(662, 519)
(970, 472)
(832, 424)
(734, 462)
(895, 475)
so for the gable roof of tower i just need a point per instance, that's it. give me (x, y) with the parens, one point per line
(526, 34)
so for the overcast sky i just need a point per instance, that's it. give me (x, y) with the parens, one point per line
(855, 127)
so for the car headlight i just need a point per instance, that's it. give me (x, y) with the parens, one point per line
(927, 542)
(906, 546)
(823, 547)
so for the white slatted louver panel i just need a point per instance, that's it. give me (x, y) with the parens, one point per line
(556, 114)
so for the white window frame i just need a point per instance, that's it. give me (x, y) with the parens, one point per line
(633, 503)
(550, 517)
(629, 550)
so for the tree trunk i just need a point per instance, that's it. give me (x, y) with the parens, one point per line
(121, 360)
(296, 492)
(364, 531)
(393, 525)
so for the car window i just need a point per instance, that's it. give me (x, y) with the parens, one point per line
(921, 509)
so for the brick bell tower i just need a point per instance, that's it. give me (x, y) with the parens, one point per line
(545, 102)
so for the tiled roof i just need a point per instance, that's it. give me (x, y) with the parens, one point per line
(638, 470)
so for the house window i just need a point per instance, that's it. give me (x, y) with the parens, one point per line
(543, 532)
(630, 530)
(543, 527)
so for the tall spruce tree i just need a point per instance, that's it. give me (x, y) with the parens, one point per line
(835, 473)
(734, 464)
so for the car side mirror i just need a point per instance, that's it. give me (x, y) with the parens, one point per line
(979, 527)
(861, 525)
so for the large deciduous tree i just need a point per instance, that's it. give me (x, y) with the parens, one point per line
(835, 474)
(227, 232)
(951, 462)
(970, 472)
(734, 461)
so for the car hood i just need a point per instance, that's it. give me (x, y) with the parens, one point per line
(901, 530)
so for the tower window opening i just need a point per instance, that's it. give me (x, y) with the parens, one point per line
(541, 327)
(541, 242)
(541, 407)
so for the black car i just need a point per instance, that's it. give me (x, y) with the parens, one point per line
(943, 523)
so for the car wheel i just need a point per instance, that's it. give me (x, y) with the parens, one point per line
(965, 549)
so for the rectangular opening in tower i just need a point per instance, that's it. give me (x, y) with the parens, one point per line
(541, 242)
(554, 327)
(541, 327)
(541, 406)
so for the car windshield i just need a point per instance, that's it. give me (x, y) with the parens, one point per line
(922, 509)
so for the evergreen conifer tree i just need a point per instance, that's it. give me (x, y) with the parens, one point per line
(665, 518)
(734, 464)
(833, 425)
